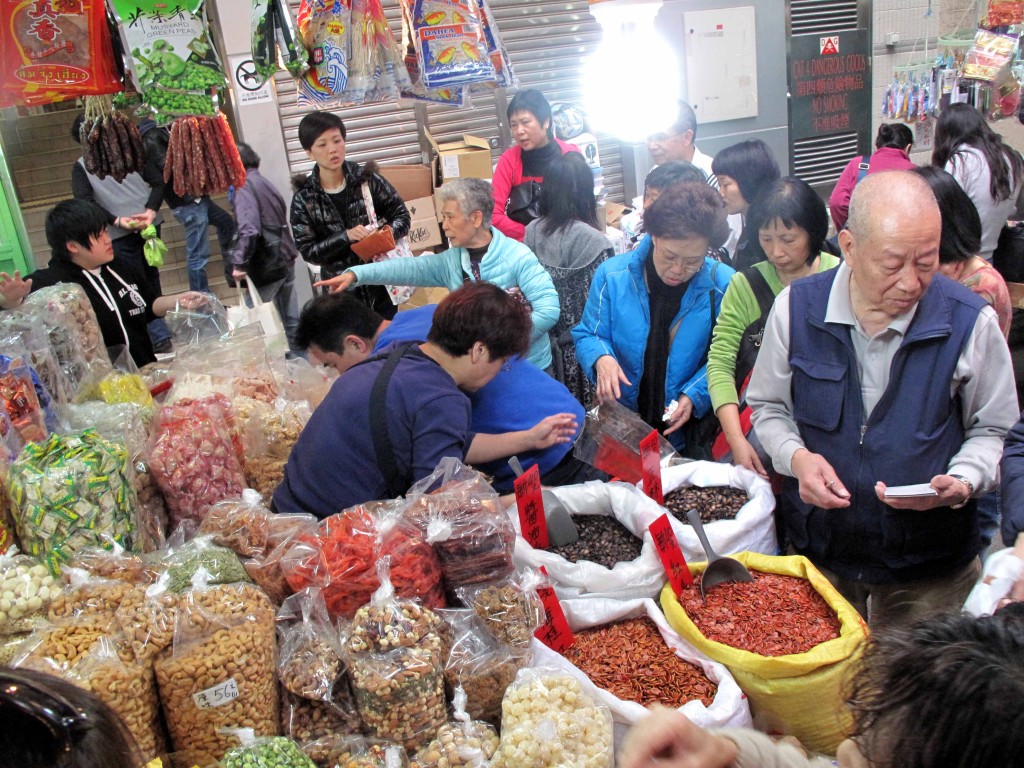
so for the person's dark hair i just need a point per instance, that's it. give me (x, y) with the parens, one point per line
(688, 209)
(670, 173)
(686, 120)
(76, 221)
(327, 320)
(567, 194)
(315, 124)
(961, 224)
(962, 125)
(936, 695)
(47, 722)
(249, 157)
(894, 136)
(793, 202)
(533, 101)
(751, 164)
(481, 312)
(76, 128)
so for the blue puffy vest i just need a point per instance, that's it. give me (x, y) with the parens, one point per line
(912, 433)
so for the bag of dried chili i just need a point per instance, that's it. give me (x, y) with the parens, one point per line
(788, 637)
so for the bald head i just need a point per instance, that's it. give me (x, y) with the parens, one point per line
(888, 196)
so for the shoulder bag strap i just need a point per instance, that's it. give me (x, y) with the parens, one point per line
(750, 340)
(865, 164)
(382, 445)
(762, 291)
(368, 200)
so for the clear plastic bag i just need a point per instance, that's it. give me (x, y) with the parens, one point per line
(265, 568)
(510, 608)
(276, 752)
(26, 590)
(73, 330)
(29, 407)
(115, 563)
(340, 558)
(462, 743)
(242, 525)
(217, 565)
(26, 333)
(236, 365)
(310, 659)
(147, 615)
(268, 434)
(195, 325)
(611, 439)
(461, 516)
(298, 380)
(127, 422)
(306, 720)
(87, 595)
(354, 751)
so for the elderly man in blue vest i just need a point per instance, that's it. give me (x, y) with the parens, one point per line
(884, 373)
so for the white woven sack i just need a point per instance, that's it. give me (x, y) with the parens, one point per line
(642, 577)
(753, 529)
(730, 708)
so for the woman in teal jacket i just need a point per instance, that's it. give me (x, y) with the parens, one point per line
(478, 252)
(646, 328)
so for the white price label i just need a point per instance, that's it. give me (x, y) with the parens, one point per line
(450, 166)
(217, 695)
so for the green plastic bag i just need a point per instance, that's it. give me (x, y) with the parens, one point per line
(154, 248)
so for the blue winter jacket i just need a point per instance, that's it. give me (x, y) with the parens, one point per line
(507, 264)
(617, 320)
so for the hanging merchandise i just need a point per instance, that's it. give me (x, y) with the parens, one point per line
(274, 41)
(504, 76)
(51, 51)
(988, 81)
(202, 158)
(1004, 13)
(171, 56)
(111, 144)
(989, 56)
(448, 36)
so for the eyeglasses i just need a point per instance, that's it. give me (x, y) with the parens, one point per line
(65, 722)
(661, 138)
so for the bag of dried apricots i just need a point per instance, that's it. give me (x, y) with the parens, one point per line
(792, 646)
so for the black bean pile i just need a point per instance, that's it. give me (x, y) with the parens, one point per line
(603, 540)
(720, 503)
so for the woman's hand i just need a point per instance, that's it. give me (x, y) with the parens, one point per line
(357, 233)
(744, 455)
(609, 376)
(336, 284)
(667, 739)
(553, 430)
(13, 290)
(682, 413)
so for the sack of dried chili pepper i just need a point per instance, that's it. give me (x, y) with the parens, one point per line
(789, 610)
(628, 658)
(340, 556)
(615, 556)
(736, 506)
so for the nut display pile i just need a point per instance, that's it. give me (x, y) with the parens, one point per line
(717, 503)
(457, 745)
(510, 613)
(603, 540)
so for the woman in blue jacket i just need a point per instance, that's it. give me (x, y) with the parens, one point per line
(646, 328)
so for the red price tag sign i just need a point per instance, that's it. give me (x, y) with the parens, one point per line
(671, 555)
(650, 459)
(554, 632)
(530, 502)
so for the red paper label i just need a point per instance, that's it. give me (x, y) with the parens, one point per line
(554, 632)
(650, 458)
(530, 502)
(671, 555)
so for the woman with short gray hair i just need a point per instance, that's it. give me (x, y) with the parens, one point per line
(478, 252)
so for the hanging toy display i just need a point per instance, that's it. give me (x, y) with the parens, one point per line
(274, 41)
(111, 144)
(170, 56)
(909, 96)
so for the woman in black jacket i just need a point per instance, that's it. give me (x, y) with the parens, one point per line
(328, 212)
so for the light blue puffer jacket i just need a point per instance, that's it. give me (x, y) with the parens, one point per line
(617, 319)
(507, 264)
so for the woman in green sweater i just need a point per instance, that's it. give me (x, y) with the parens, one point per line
(791, 224)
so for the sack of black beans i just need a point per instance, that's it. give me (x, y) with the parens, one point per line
(736, 506)
(615, 554)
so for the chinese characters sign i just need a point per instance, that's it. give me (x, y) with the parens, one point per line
(530, 501)
(671, 555)
(650, 460)
(830, 85)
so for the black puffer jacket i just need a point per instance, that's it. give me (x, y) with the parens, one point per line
(321, 232)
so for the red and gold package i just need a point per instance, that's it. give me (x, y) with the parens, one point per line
(52, 50)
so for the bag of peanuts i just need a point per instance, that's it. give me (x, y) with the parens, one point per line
(789, 639)
(395, 659)
(737, 508)
(146, 616)
(461, 743)
(627, 657)
(461, 517)
(615, 555)
(268, 434)
(340, 557)
(87, 595)
(193, 459)
(510, 609)
(242, 525)
(479, 665)
(220, 671)
(549, 721)
(128, 688)
(355, 751)
(265, 568)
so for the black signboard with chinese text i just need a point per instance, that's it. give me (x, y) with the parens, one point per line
(830, 85)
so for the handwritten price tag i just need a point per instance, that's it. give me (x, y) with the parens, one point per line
(530, 502)
(217, 695)
(671, 555)
(554, 632)
(650, 459)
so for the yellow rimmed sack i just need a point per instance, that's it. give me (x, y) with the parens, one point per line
(799, 694)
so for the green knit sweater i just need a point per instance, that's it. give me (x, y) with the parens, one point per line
(739, 310)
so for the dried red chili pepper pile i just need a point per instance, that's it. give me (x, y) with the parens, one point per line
(202, 158)
(773, 615)
(630, 660)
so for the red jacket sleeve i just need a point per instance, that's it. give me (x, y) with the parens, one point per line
(507, 174)
(839, 200)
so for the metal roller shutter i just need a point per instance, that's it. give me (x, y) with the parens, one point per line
(546, 41)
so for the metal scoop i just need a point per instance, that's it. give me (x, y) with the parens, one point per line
(720, 569)
(561, 528)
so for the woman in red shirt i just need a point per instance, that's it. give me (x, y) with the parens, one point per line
(892, 153)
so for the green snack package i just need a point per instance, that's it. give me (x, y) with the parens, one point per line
(154, 248)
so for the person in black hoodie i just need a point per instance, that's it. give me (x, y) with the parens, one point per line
(81, 253)
(328, 212)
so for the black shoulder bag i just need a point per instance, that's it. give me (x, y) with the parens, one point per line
(395, 483)
(523, 204)
(267, 264)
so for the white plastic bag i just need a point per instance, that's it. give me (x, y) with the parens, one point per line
(642, 577)
(1003, 569)
(752, 530)
(729, 709)
(265, 314)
